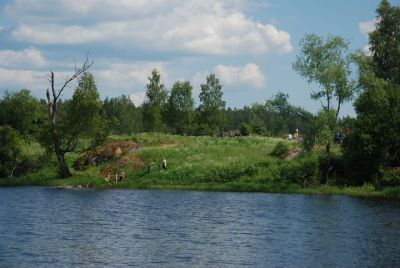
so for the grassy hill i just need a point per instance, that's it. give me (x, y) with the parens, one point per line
(202, 163)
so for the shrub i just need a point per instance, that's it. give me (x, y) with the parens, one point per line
(390, 177)
(245, 129)
(10, 151)
(280, 149)
(305, 170)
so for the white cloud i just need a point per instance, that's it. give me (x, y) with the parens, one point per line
(30, 57)
(18, 79)
(138, 98)
(248, 75)
(114, 78)
(367, 50)
(194, 26)
(367, 26)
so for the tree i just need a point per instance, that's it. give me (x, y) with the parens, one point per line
(82, 126)
(125, 118)
(384, 43)
(327, 63)
(285, 117)
(180, 108)
(21, 111)
(211, 109)
(54, 139)
(10, 151)
(374, 145)
(156, 96)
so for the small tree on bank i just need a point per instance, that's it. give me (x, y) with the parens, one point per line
(326, 63)
(67, 128)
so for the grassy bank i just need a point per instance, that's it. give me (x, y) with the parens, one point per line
(242, 164)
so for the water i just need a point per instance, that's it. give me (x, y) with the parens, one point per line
(50, 227)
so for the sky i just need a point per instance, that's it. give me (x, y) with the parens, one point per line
(250, 45)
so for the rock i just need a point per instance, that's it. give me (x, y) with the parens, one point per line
(292, 154)
(105, 153)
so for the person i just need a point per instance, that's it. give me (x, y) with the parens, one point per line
(122, 177)
(87, 185)
(108, 178)
(116, 176)
(164, 163)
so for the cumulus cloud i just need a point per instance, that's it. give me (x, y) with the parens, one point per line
(194, 26)
(18, 79)
(137, 98)
(249, 75)
(27, 58)
(367, 26)
(114, 78)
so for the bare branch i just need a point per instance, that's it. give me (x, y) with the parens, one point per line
(78, 71)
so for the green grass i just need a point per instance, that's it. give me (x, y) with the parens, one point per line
(242, 164)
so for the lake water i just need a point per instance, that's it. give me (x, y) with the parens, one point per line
(51, 227)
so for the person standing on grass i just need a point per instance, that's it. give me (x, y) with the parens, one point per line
(123, 175)
(108, 178)
(116, 176)
(164, 163)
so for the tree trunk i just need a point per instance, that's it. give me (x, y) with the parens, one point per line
(63, 168)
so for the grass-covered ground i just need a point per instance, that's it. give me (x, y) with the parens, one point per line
(242, 164)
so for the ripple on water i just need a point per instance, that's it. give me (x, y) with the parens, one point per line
(48, 227)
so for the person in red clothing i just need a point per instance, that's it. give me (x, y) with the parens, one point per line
(123, 174)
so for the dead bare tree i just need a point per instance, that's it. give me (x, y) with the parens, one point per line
(53, 96)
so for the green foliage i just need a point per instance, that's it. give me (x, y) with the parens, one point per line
(280, 148)
(384, 43)
(180, 108)
(374, 145)
(245, 129)
(211, 109)
(375, 141)
(285, 118)
(10, 150)
(153, 106)
(304, 170)
(327, 64)
(21, 111)
(122, 114)
(83, 127)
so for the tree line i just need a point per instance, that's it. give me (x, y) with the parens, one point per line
(370, 149)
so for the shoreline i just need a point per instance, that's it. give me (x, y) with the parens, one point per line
(365, 191)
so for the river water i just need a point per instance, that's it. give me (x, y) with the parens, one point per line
(45, 227)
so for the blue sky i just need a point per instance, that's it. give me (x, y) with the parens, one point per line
(249, 45)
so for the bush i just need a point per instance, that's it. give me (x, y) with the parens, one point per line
(231, 172)
(245, 129)
(390, 177)
(280, 149)
(10, 151)
(305, 171)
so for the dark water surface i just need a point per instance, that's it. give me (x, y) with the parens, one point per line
(50, 227)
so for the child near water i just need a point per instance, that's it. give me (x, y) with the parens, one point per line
(108, 178)
(116, 176)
